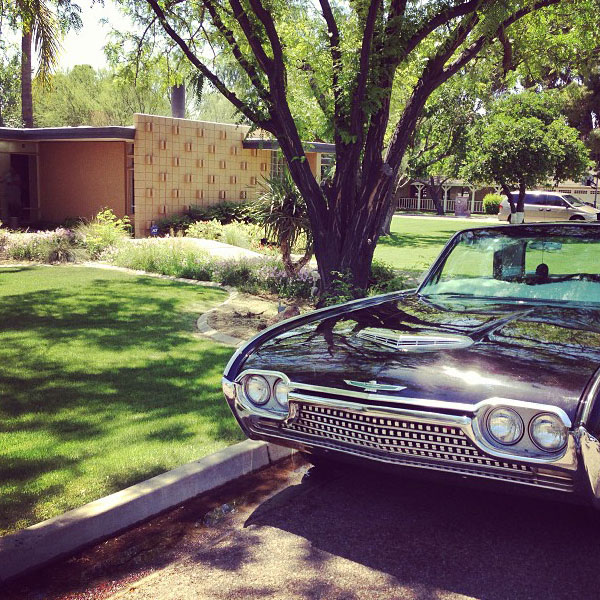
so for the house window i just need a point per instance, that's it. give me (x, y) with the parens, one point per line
(327, 165)
(130, 190)
(277, 163)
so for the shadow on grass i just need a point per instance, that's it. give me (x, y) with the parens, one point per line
(107, 385)
(416, 239)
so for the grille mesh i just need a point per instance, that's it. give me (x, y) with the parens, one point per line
(395, 436)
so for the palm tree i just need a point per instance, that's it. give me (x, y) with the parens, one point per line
(39, 26)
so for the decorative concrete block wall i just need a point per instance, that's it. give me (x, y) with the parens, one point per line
(180, 163)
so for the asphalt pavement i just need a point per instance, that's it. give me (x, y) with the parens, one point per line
(290, 532)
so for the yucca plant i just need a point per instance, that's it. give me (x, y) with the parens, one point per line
(282, 212)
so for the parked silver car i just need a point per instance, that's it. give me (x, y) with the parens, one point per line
(550, 206)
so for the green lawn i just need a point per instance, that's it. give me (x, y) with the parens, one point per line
(103, 385)
(416, 242)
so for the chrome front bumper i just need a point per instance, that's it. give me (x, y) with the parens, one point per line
(419, 437)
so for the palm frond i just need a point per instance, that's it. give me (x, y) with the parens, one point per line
(40, 21)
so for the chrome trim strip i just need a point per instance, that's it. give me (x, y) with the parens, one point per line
(382, 411)
(590, 454)
(536, 481)
(382, 397)
(589, 396)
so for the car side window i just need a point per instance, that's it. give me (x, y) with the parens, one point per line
(555, 201)
(534, 199)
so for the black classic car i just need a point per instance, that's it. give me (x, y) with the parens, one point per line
(490, 370)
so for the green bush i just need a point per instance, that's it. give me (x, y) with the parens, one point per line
(166, 257)
(104, 232)
(226, 212)
(282, 212)
(244, 235)
(491, 204)
(384, 278)
(173, 224)
(207, 230)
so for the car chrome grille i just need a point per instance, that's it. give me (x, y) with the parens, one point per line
(402, 441)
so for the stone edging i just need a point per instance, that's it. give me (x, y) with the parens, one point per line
(207, 331)
(60, 536)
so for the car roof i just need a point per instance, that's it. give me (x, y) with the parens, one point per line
(540, 192)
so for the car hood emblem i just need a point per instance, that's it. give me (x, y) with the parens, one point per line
(373, 386)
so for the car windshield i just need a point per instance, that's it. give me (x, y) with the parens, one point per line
(560, 263)
(573, 201)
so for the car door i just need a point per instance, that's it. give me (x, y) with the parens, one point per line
(556, 209)
(535, 209)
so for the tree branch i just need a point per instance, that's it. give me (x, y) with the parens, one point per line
(437, 21)
(242, 18)
(243, 108)
(236, 51)
(266, 19)
(314, 86)
(357, 113)
(336, 60)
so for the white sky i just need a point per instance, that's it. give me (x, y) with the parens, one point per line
(86, 45)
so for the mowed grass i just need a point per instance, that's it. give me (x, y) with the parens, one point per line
(416, 242)
(103, 384)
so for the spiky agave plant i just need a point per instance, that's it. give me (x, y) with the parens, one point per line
(281, 210)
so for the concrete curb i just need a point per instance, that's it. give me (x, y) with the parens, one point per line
(39, 544)
(207, 331)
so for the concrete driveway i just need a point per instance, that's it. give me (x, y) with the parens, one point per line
(282, 534)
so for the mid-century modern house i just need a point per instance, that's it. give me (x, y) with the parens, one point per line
(158, 167)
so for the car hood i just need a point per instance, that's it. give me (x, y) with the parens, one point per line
(588, 209)
(453, 351)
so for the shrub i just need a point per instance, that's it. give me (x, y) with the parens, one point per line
(59, 245)
(226, 212)
(173, 224)
(241, 273)
(104, 232)
(384, 278)
(282, 212)
(491, 204)
(208, 230)
(244, 235)
(274, 278)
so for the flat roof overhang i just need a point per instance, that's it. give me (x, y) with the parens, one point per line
(54, 134)
(261, 144)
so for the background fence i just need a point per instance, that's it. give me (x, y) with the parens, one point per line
(427, 205)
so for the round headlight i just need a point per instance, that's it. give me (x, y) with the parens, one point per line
(548, 432)
(257, 389)
(281, 389)
(505, 426)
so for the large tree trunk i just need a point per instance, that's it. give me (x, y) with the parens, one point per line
(26, 95)
(434, 187)
(517, 210)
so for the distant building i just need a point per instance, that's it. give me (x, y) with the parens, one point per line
(158, 167)
(413, 195)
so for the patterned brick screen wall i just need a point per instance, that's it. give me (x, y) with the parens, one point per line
(180, 163)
